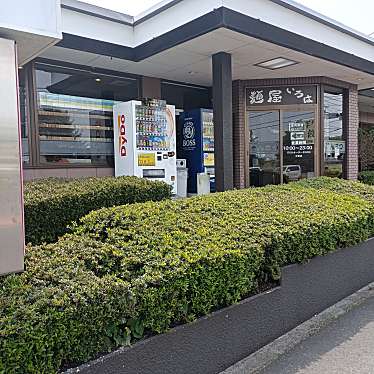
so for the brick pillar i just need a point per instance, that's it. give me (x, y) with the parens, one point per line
(351, 133)
(151, 88)
(239, 136)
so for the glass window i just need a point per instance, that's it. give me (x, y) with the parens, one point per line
(24, 116)
(366, 146)
(298, 144)
(264, 156)
(298, 138)
(185, 96)
(75, 116)
(334, 143)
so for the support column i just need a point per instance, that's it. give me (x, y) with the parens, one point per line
(223, 131)
(351, 133)
(151, 88)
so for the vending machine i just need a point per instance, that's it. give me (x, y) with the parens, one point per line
(145, 140)
(195, 143)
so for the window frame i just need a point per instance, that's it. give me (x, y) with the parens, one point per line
(281, 109)
(34, 144)
(28, 114)
(344, 91)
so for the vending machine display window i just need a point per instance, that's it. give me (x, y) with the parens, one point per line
(151, 128)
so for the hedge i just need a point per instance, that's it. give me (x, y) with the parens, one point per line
(366, 177)
(336, 185)
(131, 271)
(52, 204)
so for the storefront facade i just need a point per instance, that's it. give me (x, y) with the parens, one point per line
(67, 121)
(67, 114)
(301, 126)
(285, 97)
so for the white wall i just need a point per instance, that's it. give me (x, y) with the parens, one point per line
(97, 28)
(287, 19)
(264, 10)
(33, 24)
(187, 10)
(173, 17)
(41, 17)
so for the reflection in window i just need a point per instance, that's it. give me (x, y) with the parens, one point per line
(334, 144)
(366, 146)
(24, 116)
(75, 114)
(264, 167)
(298, 145)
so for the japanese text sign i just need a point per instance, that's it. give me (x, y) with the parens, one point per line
(146, 159)
(285, 95)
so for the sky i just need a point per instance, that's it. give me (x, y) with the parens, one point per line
(357, 14)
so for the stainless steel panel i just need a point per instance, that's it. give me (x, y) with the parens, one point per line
(11, 201)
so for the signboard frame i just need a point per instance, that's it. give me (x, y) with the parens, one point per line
(257, 97)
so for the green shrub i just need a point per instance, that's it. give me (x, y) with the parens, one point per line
(340, 186)
(333, 173)
(58, 310)
(237, 219)
(366, 177)
(139, 269)
(52, 204)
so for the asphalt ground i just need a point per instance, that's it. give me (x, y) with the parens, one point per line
(338, 340)
(346, 346)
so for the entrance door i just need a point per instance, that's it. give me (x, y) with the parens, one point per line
(264, 148)
(298, 145)
(281, 146)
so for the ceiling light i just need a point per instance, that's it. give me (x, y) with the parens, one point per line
(98, 80)
(276, 63)
(20, 67)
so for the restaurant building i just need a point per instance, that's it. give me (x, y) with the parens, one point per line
(288, 86)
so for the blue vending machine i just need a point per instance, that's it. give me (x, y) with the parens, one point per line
(195, 143)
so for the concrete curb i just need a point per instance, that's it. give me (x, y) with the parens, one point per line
(258, 361)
